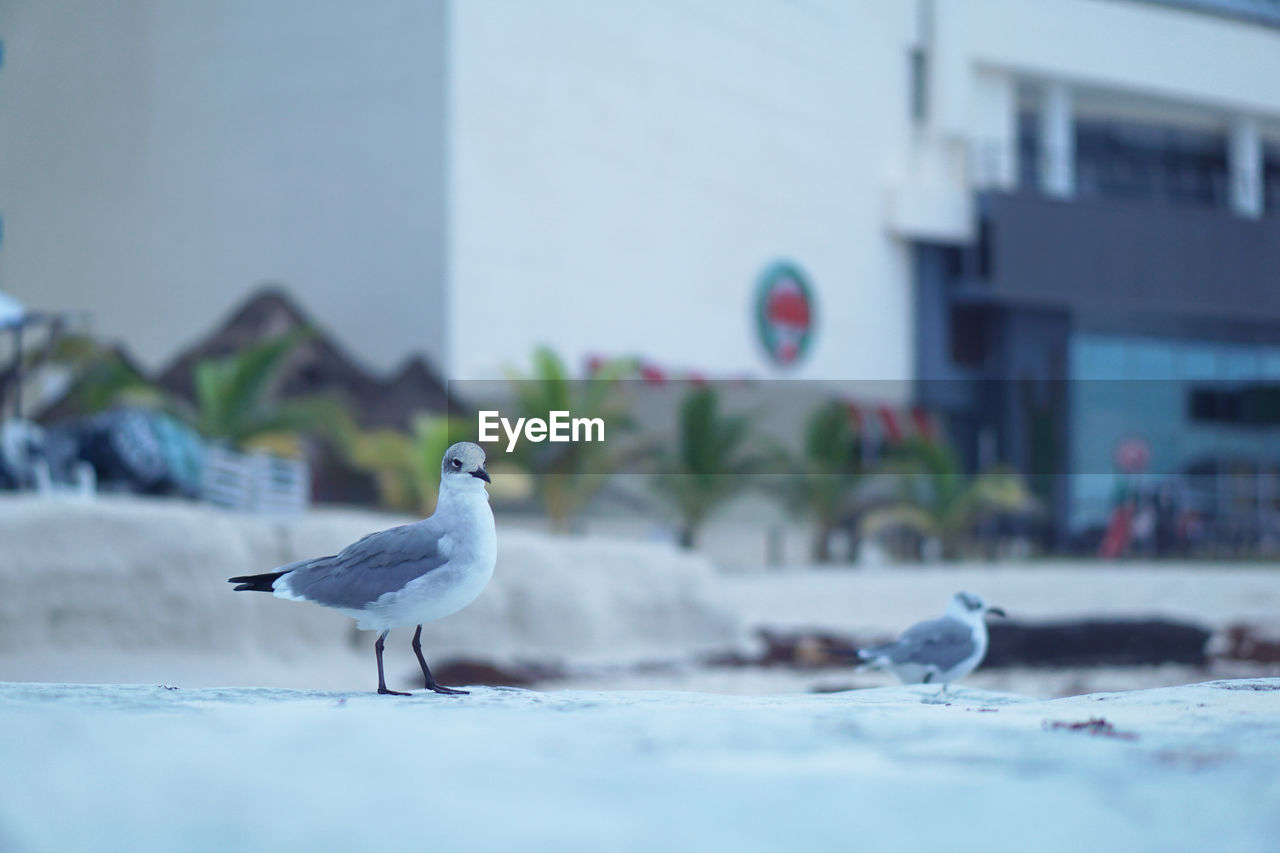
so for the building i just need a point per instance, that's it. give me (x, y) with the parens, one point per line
(995, 198)
(1107, 301)
(465, 178)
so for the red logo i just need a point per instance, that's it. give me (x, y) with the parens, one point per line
(784, 313)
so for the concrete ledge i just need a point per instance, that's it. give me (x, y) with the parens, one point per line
(142, 768)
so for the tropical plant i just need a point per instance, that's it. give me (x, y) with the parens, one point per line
(234, 401)
(713, 453)
(821, 482)
(939, 501)
(406, 466)
(567, 474)
(105, 378)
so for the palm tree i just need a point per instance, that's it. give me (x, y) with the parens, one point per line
(233, 394)
(234, 400)
(105, 377)
(939, 501)
(567, 474)
(822, 481)
(406, 466)
(711, 458)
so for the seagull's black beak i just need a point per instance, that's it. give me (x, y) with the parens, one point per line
(484, 475)
(997, 611)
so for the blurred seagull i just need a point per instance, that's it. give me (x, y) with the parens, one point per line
(940, 650)
(406, 575)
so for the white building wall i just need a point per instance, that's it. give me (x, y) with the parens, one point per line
(469, 178)
(161, 158)
(623, 172)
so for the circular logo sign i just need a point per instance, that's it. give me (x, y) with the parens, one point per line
(784, 313)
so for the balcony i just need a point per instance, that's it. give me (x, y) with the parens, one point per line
(1105, 256)
(1115, 159)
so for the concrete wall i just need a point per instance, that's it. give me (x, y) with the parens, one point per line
(160, 158)
(622, 173)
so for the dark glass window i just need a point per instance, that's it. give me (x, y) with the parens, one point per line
(1254, 405)
(1116, 159)
(1028, 151)
(1271, 178)
(985, 249)
(968, 333)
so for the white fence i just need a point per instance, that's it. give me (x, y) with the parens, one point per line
(255, 482)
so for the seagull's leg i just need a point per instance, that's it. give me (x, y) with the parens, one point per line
(426, 673)
(382, 682)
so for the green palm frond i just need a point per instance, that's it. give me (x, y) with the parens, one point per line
(406, 466)
(714, 452)
(937, 499)
(566, 475)
(317, 415)
(103, 378)
(232, 393)
(821, 482)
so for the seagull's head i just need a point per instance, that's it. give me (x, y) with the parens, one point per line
(462, 462)
(966, 605)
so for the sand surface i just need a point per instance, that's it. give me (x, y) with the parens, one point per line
(133, 590)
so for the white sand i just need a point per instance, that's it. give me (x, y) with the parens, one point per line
(134, 590)
(145, 769)
(127, 589)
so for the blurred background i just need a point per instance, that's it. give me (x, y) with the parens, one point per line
(878, 300)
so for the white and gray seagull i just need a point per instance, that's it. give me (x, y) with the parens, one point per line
(940, 650)
(406, 575)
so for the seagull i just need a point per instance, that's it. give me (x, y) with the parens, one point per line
(406, 575)
(940, 650)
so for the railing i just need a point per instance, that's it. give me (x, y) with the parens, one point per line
(255, 482)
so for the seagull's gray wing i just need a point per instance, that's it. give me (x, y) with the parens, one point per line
(379, 563)
(940, 643)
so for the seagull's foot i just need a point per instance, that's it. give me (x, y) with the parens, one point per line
(382, 691)
(448, 691)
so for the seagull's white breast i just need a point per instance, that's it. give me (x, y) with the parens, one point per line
(470, 547)
(970, 663)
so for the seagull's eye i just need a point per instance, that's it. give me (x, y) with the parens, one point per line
(457, 463)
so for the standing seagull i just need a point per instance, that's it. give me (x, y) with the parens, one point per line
(940, 650)
(406, 575)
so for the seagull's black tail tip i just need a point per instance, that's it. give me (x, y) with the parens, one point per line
(256, 583)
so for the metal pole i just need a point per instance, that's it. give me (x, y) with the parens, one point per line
(17, 370)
